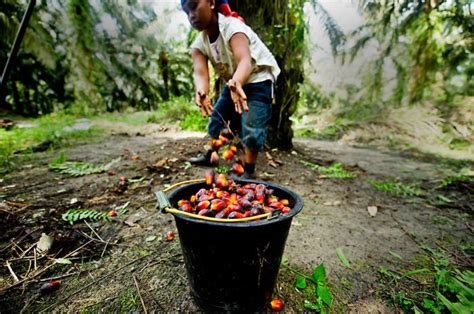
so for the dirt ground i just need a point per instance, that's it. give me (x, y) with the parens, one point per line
(116, 264)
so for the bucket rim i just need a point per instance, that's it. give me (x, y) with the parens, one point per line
(297, 207)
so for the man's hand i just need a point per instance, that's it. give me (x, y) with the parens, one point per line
(204, 103)
(238, 96)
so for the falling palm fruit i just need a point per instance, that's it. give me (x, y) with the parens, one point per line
(221, 181)
(214, 158)
(209, 176)
(238, 169)
(216, 143)
(228, 154)
(223, 139)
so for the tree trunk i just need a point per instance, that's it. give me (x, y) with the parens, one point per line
(280, 25)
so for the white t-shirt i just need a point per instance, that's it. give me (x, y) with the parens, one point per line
(264, 65)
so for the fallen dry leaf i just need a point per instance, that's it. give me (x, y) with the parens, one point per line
(44, 243)
(372, 210)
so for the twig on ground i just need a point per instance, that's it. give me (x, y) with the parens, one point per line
(97, 235)
(15, 278)
(469, 227)
(37, 272)
(105, 247)
(404, 230)
(19, 239)
(58, 277)
(140, 295)
(34, 254)
(93, 282)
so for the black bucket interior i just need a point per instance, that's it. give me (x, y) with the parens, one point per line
(233, 267)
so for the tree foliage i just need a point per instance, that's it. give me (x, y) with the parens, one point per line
(430, 42)
(98, 55)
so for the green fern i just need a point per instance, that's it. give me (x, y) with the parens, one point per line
(79, 168)
(74, 215)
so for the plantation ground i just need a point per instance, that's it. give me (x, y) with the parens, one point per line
(109, 263)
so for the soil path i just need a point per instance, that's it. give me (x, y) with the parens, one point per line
(335, 215)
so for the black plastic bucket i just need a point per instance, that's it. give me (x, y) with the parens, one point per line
(233, 267)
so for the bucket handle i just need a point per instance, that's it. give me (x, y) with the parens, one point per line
(163, 204)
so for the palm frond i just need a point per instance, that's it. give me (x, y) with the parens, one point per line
(332, 29)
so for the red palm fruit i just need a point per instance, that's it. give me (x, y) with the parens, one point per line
(269, 191)
(214, 159)
(260, 188)
(203, 205)
(223, 139)
(205, 212)
(221, 181)
(250, 195)
(247, 213)
(216, 143)
(238, 169)
(217, 204)
(222, 194)
(186, 208)
(277, 205)
(209, 176)
(233, 198)
(169, 236)
(182, 202)
(112, 213)
(285, 210)
(268, 209)
(235, 215)
(277, 305)
(234, 208)
(245, 203)
(241, 191)
(201, 192)
(192, 199)
(228, 154)
(259, 196)
(285, 202)
(49, 286)
(254, 211)
(271, 199)
(233, 148)
(221, 214)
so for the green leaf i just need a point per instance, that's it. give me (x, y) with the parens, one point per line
(150, 238)
(323, 292)
(311, 306)
(300, 282)
(319, 274)
(342, 257)
(416, 271)
(395, 255)
(63, 261)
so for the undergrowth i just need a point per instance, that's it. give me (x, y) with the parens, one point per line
(434, 282)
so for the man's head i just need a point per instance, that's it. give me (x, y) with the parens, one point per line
(200, 12)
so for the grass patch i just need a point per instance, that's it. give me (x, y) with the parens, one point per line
(456, 179)
(430, 283)
(396, 188)
(47, 129)
(183, 112)
(334, 171)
